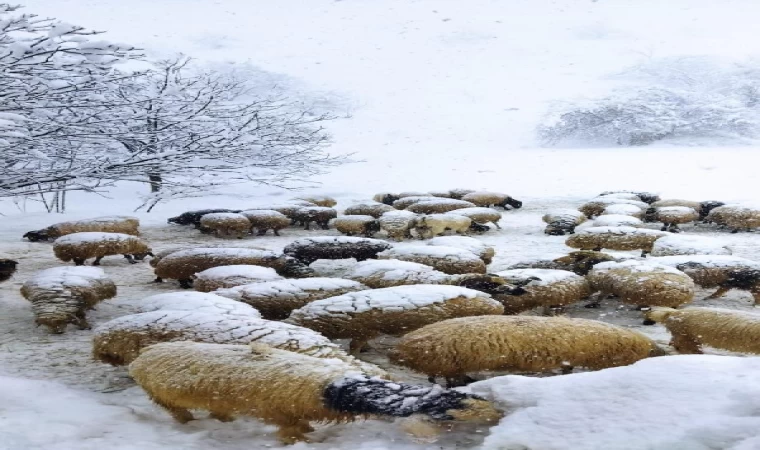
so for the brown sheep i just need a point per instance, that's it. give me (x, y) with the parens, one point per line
(226, 225)
(79, 247)
(264, 220)
(615, 238)
(109, 224)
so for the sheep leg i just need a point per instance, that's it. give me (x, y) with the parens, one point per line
(79, 261)
(186, 284)
(97, 261)
(221, 417)
(644, 253)
(158, 280)
(181, 415)
(719, 293)
(664, 226)
(263, 231)
(459, 380)
(293, 431)
(131, 259)
(553, 310)
(276, 231)
(308, 222)
(683, 343)
(324, 225)
(357, 346)
(598, 300)
(80, 321)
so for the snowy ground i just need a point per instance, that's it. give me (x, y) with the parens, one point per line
(432, 95)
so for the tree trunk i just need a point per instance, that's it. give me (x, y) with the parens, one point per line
(155, 180)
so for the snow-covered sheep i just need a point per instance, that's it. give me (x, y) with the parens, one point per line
(623, 209)
(368, 209)
(182, 265)
(487, 199)
(224, 277)
(7, 268)
(546, 288)
(351, 225)
(288, 209)
(450, 260)
(119, 341)
(438, 206)
(62, 295)
(689, 245)
(289, 390)
(671, 216)
(431, 225)
(225, 225)
(406, 202)
(721, 271)
(385, 198)
(317, 214)
(275, 300)
(79, 247)
(308, 250)
(480, 248)
(398, 224)
(702, 208)
(453, 348)
(737, 218)
(617, 220)
(364, 315)
(194, 217)
(579, 262)
(458, 193)
(319, 200)
(641, 284)
(646, 197)
(726, 329)
(480, 215)
(615, 238)
(562, 221)
(198, 302)
(110, 224)
(596, 206)
(263, 220)
(383, 273)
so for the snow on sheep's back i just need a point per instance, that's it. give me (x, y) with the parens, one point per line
(448, 93)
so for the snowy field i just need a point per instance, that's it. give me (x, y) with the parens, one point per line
(431, 95)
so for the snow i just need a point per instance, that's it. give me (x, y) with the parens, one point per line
(622, 209)
(623, 195)
(618, 201)
(261, 213)
(59, 278)
(682, 244)
(239, 272)
(466, 243)
(563, 212)
(92, 237)
(621, 231)
(336, 240)
(715, 261)
(617, 220)
(545, 277)
(192, 301)
(675, 210)
(396, 270)
(636, 266)
(220, 252)
(357, 219)
(695, 402)
(435, 251)
(221, 217)
(288, 288)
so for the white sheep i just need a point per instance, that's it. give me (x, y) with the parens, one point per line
(596, 206)
(431, 225)
(623, 209)
(198, 302)
(368, 209)
(108, 224)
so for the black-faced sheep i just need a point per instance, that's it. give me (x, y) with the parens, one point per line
(702, 208)
(544, 288)
(317, 214)
(79, 247)
(111, 224)
(386, 198)
(398, 224)
(450, 260)
(596, 207)
(194, 217)
(225, 225)
(615, 238)
(368, 209)
(671, 216)
(480, 215)
(224, 277)
(438, 206)
(62, 295)
(489, 199)
(563, 221)
(351, 225)
(182, 265)
(308, 250)
(364, 315)
(432, 225)
(646, 197)
(275, 300)
(737, 218)
(287, 389)
(725, 329)
(7, 269)
(264, 220)
(319, 200)
(453, 348)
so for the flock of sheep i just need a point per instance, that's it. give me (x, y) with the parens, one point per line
(256, 335)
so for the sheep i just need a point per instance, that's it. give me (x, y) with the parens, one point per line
(385, 273)
(317, 214)
(385, 198)
(119, 341)
(615, 238)
(364, 315)
(459, 193)
(671, 216)
(483, 250)
(225, 224)
(438, 206)
(596, 206)
(487, 199)
(110, 224)
(623, 209)
(62, 295)
(623, 195)
(440, 194)
(642, 284)
(721, 271)
(702, 208)
(289, 390)
(562, 221)
(455, 347)
(688, 245)
(7, 269)
(275, 300)
(405, 202)
(480, 215)
(398, 224)
(617, 220)
(308, 250)
(719, 328)
(289, 209)
(319, 200)
(264, 220)
(431, 225)
(193, 301)
(646, 197)
(735, 217)
(158, 256)
(79, 247)
(368, 209)
(351, 225)
(223, 277)
(550, 289)
(182, 265)
(194, 217)
(449, 260)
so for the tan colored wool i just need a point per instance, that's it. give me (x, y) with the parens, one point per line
(642, 286)
(617, 238)
(596, 206)
(204, 283)
(667, 214)
(565, 291)
(406, 202)
(319, 200)
(481, 215)
(453, 348)
(226, 224)
(115, 224)
(274, 220)
(438, 206)
(368, 209)
(357, 224)
(432, 225)
(398, 224)
(719, 328)
(121, 244)
(738, 218)
(456, 264)
(184, 264)
(486, 199)
(696, 206)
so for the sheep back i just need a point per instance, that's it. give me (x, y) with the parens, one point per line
(642, 283)
(223, 277)
(480, 248)
(398, 224)
(486, 199)
(542, 287)
(357, 224)
(108, 224)
(81, 246)
(225, 224)
(266, 219)
(449, 260)
(615, 238)
(438, 206)
(319, 200)
(368, 209)
(431, 225)
(308, 250)
(386, 273)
